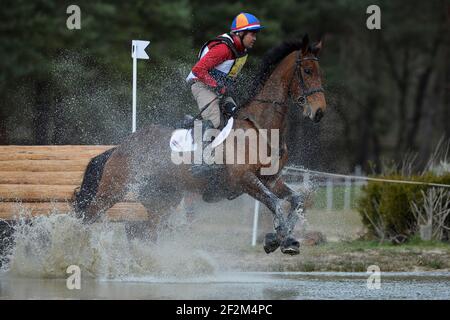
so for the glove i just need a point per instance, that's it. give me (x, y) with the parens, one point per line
(230, 108)
(220, 90)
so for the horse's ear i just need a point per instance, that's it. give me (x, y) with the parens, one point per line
(317, 47)
(305, 43)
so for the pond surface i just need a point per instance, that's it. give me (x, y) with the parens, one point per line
(239, 285)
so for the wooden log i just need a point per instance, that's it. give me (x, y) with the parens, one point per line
(122, 211)
(19, 148)
(127, 211)
(36, 208)
(48, 156)
(43, 193)
(52, 153)
(34, 192)
(44, 165)
(37, 174)
(54, 178)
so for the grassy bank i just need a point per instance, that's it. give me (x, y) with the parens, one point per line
(354, 256)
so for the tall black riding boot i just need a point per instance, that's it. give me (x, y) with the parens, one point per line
(204, 170)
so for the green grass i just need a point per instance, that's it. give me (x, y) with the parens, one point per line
(360, 245)
(351, 256)
(433, 262)
(417, 242)
(358, 255)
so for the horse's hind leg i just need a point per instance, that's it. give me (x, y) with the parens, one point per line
(111, 189)
(158, 202)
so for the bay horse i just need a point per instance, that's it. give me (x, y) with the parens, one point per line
(142, 163)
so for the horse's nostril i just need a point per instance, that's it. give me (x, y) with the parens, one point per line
(318, 116)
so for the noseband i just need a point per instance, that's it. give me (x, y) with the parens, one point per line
(302, 99)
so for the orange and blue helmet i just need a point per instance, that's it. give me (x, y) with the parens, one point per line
(245, 22)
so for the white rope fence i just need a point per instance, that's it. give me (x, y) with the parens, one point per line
(365, 178)
(329, 189)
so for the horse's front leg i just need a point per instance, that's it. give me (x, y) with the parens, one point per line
(296, 199)
(253, 186)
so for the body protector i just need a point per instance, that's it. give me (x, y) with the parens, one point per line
(226, 72)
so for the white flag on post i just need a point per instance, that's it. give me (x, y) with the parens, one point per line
(137, 52)
(138, 49)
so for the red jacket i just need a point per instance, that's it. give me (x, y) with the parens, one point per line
(217, 54)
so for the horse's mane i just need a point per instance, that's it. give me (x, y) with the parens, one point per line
(268, 64)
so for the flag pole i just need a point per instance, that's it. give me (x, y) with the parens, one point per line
(134, 91)
(137, 52)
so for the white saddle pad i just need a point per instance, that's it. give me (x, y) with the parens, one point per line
(181, 139)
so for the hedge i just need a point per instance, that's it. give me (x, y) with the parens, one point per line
(387, 205)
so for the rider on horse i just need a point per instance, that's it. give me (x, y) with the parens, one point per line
(220, 61)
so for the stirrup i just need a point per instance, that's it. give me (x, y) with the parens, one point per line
(206, 124)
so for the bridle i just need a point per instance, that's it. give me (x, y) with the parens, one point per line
(302, 99)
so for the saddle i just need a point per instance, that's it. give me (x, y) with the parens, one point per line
(182, 138)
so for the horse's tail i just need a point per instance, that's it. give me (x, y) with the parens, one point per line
(91, 179)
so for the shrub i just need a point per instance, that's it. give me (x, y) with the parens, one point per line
(385, 207)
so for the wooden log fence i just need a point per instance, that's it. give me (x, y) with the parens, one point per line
(41, 179)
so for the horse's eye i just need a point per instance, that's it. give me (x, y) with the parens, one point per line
(308, 71)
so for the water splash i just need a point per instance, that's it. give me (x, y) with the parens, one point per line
(45, 246)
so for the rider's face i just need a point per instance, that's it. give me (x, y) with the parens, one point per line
(249, 39)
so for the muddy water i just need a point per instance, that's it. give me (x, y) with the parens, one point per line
(236, 286)
(200, 260)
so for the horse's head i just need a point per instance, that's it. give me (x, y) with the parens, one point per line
(306, 85)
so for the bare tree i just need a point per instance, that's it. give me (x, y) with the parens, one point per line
(440, 158)
(432, 215)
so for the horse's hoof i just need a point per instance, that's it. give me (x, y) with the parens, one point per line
(290, 250)
(271, 243)
(291, 246)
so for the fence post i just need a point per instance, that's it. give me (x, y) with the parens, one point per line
(358, 170)
(255, 223)
(358, 183)
(329, 194)
(306, 180)
(348, 189)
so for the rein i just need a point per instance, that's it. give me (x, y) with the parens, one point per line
(301, 100)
